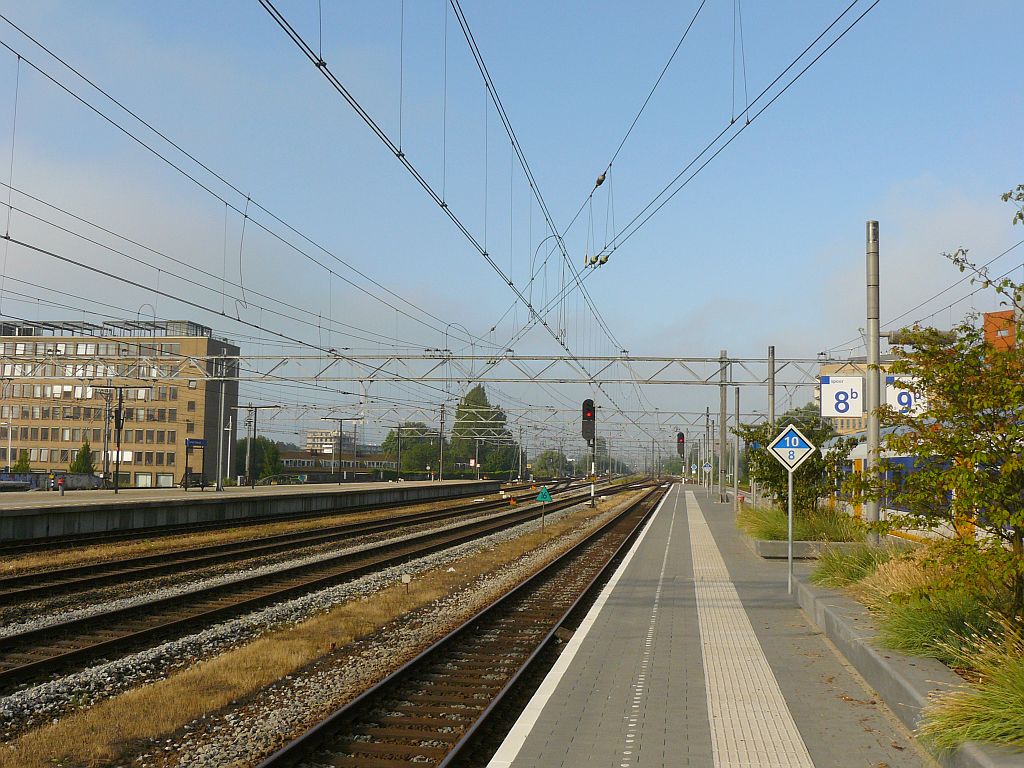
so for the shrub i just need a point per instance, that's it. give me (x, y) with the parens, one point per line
(841, 569)
(822, 525)
(935, 625)
(991, 709)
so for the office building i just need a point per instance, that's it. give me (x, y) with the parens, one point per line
(62, 381)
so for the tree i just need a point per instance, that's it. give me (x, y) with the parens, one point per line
(548, 464)
(419, 448)
(815, 479)
(22, 464)
(968, 444)
(83, 461)
(476, 420)
(266, 458)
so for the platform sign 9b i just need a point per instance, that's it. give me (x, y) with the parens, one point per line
(909, 402)
(842, 396)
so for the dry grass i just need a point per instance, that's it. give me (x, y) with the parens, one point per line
(39, 561)
(104, 733)
(899, 576)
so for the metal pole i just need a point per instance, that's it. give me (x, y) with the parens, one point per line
(736, 457)
(771, 385)
(520, 451)
(723, 400)
(255, 413)
(227, 429)
(106, 437)
(220, 431)
(789, 542)
(477, 441)
(337, 454)
(248, 444)
(398, 465)
(440, 465)
(873, 394)
(118, 423)
(705, 476)
(355, 450)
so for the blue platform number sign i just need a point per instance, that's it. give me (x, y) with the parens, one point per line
(842, 396)
(791, 448)
(901, 399)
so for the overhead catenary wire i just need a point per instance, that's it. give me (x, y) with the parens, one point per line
(223, 180)
(664, 196)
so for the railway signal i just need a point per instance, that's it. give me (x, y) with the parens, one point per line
(589, 424)
(680, 443)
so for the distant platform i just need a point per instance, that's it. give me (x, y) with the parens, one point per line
(42, 514)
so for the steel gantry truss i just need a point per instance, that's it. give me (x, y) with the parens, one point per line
(442, 367)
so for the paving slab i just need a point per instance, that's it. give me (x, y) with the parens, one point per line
(695, 655)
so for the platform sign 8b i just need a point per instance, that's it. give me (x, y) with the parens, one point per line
(842, 396)
(905, 401)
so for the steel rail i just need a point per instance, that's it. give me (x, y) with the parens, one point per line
(180, 529)
(37, 584)
(39, 651)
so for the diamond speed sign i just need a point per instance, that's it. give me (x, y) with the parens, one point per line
(791, 448)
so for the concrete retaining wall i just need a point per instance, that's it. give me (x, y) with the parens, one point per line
(92, 517)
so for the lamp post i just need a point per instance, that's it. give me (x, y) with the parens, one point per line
(8, 425)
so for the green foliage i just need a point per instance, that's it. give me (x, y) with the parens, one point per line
(815, 479)
(818, 525)
(476, 420)
(266, 457)
(991, 709)
(549, 464)
(83, 460)
(419, 448)
(837, 569)
(934, 625)
(22, 463)
(969, 466)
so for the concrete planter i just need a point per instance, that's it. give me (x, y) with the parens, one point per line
(903, 682)
(802, 550)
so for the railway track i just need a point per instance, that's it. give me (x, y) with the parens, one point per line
(66, 645)
(429, 710)
(178, 529)
(39, 584)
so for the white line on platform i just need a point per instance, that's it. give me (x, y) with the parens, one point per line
(751, 725)
(516, 737)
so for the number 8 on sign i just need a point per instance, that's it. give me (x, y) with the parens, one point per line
(842, 396)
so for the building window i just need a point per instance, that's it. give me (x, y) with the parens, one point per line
(44, 454)
(148, 460)
(190, 427)
(170, 459)
(150, 437)
(65, 455)
(172, 414)
(172, 392)
(96, 435)
(191, 406)
(138, 435)
(172, 436)
(164, 480)
(143, 480)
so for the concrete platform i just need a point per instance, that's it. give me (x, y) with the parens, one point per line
(39, 514)
(694, 655)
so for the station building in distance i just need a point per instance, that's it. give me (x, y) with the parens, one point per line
(59, 386)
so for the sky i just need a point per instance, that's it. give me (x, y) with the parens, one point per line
(912, 118)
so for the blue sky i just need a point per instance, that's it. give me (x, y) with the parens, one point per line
(913, 119)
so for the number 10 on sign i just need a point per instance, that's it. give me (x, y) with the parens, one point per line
(791, 449)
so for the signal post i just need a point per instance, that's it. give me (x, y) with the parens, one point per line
(590, 435)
